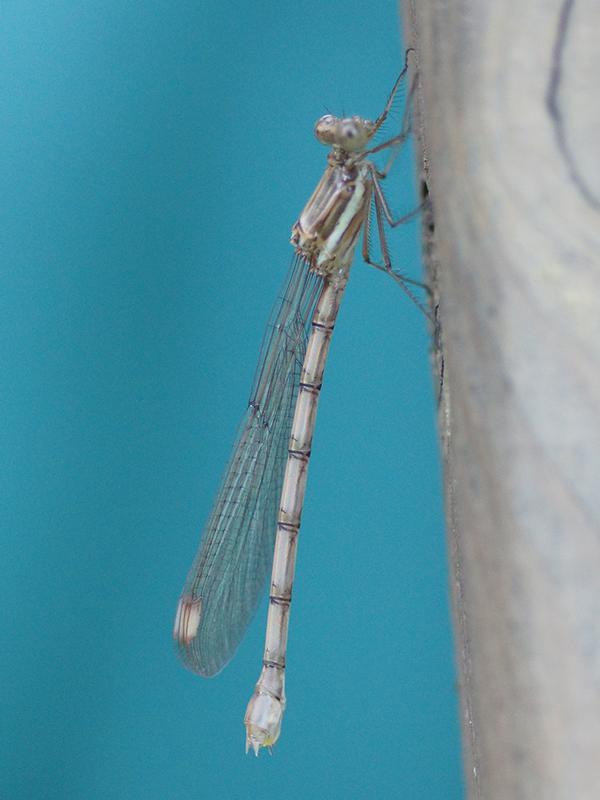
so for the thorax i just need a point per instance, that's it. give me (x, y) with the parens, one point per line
(327, 230)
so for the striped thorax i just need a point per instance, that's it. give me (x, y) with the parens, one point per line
(329, 225)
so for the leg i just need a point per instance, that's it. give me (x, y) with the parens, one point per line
(380, 207)
(386, 267)
(383, 116)
(396, 141)
(383, 204)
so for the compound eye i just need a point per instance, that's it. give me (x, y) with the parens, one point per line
(352, 134)
(326, 128)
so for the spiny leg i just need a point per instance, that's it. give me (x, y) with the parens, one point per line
(381, 207)
(383, 203)
(397, 141)
(383, 116)
(386, 267)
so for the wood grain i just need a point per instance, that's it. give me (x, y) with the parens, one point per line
(508, 129)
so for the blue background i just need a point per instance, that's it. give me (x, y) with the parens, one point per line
(155, 156)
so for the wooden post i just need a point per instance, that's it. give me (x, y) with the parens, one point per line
(508, 137)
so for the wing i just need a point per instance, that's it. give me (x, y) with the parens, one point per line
(228, 575)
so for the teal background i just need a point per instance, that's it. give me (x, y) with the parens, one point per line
(155, 155)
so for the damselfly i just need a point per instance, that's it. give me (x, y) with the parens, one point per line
(262, 492)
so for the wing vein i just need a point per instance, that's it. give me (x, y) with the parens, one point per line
(229, 572)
